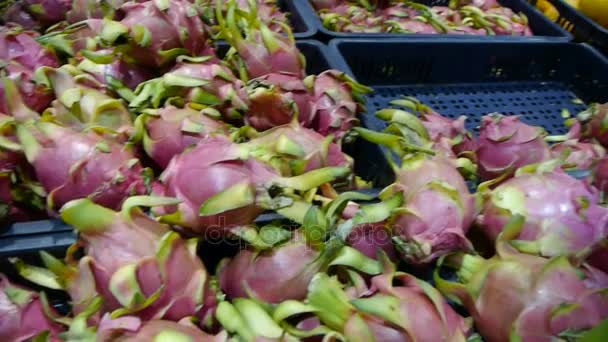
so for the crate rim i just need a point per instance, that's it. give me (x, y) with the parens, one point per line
(334, 50)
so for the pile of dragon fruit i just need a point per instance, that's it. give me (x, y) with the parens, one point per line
(162, 152)
(470, 17)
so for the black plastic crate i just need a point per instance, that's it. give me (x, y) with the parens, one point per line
(583, 28)
(543, 28)
(299, 21)
(55, 236)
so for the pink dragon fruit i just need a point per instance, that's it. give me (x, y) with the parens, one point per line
(14, 12)
(562, 214)
(600, 175)
(167, 132)
(239, 193)
(262, 51)
(94, 9)
(326, 4)
(20, 46)
(23, 316)
(274, 99)
(506, 144)
(578, 155)
(81, 106)
(350, 18)
(22, 55)
(161, 30)
(483, 4)
(337, 99)
(72, 39)
(302, 148)
(72, 165)
(592, 121)
(272, 276)
(159, 277)
(203, 80)
(21, 199)
(35, 12)
(437, 212)
(396, 307)
(526, 298)
(506, 22)
(118, 76)
(129, 328)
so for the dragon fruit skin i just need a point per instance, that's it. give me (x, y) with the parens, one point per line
(312, 147)
(506, 144)
(600, 175)
(240, 180)
(48, 12)
(161, 267)
(527, 297)
(22, 56)
(82, 106)
(439, 209)
(336, 102)
(592, 123)
(187, 177)
(170, 130)
(369, 238)
(171, 25)
(274, 99)
(129, 75)
(580, 155)
(395, 307)
(272, 276)
(204, 80)
(72, 165)
(262, 51)
(131, 328)
(20, 46)
(563, 215)
(440, 127)
(22, 316)
(27, 97)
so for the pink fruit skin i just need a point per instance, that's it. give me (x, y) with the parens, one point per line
(23, 321)
(333, 109)
(272, 276)
(581, 155)
(505, 143)
(70, 166)
(168, 138)
(600, 175)
(521, 295)
(275, 107)
(555, 210)
(165, 28)
(187, 177)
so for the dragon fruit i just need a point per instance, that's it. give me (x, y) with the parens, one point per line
(81, 106)
(70, 40)
(578, 155)
(437, 212)
(16, 13)
(526, 298)
(72, 165)
(118, 75)
(600, 175)
(23, 315)
(21, 199)
(274, 99)
(203, 80)
(21, 56)
(593, 125)
(396, 307)
(267, 11)
(159, 30)
(272, 276)
(349, 18)
(167, 132)
(562, 214)
(506, 144)
(337, 99)
(240, 192)
(159, 277)
(302, 148)
(262, 51)
(38, 12)
(131, 328)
